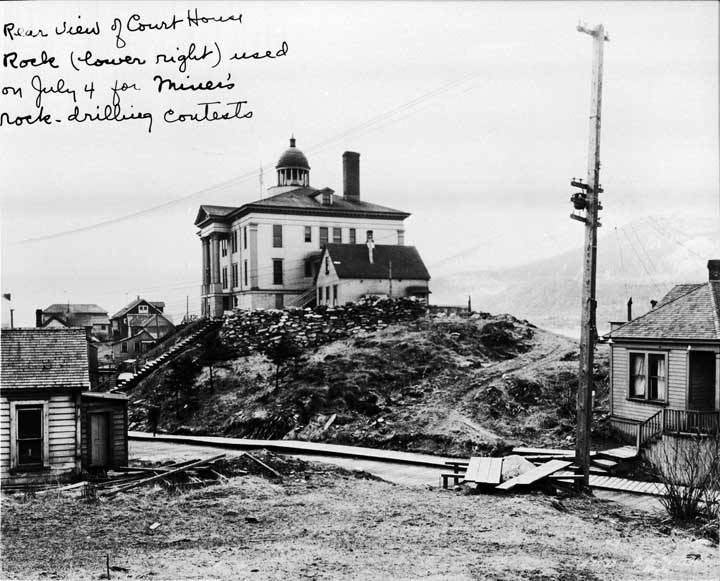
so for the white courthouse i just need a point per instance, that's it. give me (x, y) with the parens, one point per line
(266, 253)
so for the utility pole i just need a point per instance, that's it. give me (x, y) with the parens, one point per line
(588, 200)
(390, 279)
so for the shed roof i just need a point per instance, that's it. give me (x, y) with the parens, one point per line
(688, 312)
(352, 261)
(44, 359)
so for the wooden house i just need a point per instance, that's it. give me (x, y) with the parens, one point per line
(43, 392)
(347, 272)
(665, 364)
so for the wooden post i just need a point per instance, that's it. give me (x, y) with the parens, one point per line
(588, 330)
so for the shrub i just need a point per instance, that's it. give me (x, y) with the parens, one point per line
(689, 467)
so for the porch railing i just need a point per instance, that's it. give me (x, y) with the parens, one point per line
(689, 421)
(649, 428)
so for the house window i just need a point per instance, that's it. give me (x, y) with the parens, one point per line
(123, 347)
(327, 265)
(224, 277)
(319, 295)
(323, 236)
(337, 235)
(245, 273)
(648, 376)
(30, 435)
(308, 268)
(369, 236)
(335, 294)
(277, 235)
(401, 237)
(327, 295)
(277, 271)
(279, 301)
(223, 247)
(308, 234)
(233, 241)
(143, 309)
(353, 236)
(138, 346)
(245, 237)
(234, 275)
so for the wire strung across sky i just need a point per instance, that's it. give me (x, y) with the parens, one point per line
(371, 124)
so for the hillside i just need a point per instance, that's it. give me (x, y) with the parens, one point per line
(642, 259)
(441, 385)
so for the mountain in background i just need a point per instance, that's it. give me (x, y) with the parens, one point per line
(642, 259)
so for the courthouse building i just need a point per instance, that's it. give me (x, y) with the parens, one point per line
(265, 254)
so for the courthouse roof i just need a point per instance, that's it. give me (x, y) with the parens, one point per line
(303, 201)
(84, 308)
(44, 359)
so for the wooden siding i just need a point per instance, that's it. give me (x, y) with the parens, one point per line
(623, 407)
(61, 431)
(117, 413)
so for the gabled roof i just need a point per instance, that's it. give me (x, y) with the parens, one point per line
(208, 211)
(688, 312)
(352, 261)
(84, 308)
(301, 201)
(44, 359)
(136, 302)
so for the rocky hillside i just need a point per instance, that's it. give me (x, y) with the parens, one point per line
(443, 385)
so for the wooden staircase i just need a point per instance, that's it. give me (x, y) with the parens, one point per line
(171, 353)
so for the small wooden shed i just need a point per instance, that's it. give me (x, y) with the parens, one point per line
(43, 373)
(51, 426)
(104, 427)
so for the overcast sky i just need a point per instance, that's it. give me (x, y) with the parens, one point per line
(471, 116)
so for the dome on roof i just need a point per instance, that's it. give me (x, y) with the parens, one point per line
(293, 157)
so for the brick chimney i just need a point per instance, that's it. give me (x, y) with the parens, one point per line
(714, 270)
(351, 176)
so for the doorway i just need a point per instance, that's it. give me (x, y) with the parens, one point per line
(99, 439)
(701, 381)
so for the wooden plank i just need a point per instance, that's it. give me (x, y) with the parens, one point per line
(543, 451)
(621, 453)
(535, 474)
(484, 470)
(164, 475)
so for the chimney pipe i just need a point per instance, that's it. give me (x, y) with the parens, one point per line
(351, 176)
(653, 303)
(629, 309)
(713, 270)
(38, 317)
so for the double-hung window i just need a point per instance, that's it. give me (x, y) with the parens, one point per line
(277, 236)
(323, 236)
(29, 434)
(648, 376)
(277, 271)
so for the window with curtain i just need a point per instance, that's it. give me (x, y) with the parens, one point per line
(648, 376)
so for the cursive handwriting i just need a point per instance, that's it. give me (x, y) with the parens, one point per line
(207, 86)
(206, 114)
(59, 88)
(268, 54)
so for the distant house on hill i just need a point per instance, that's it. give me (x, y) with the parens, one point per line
(347, 272)
(665, 364)
(137, 327)
(261, 254)
(90, 316)
(50, 425)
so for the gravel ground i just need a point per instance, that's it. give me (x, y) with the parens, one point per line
(325, 523)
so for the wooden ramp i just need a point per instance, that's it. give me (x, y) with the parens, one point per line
(483, 470)
(625, 485)
(534, 475)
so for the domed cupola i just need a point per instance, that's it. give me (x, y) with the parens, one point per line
(293, 168)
